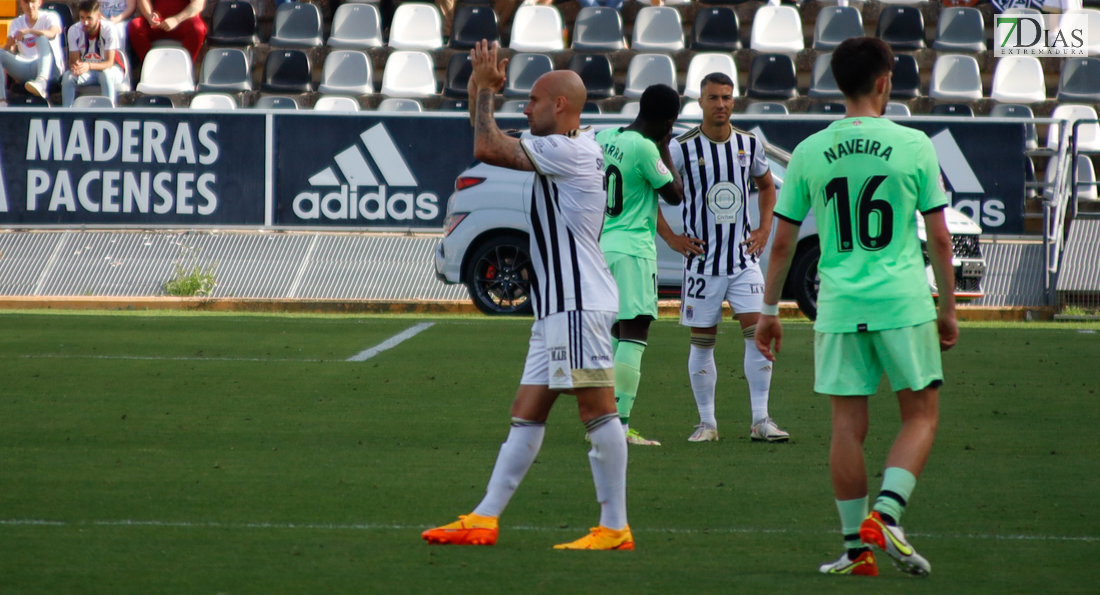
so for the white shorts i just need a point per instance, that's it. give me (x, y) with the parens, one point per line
(571, 350)
(703, 295)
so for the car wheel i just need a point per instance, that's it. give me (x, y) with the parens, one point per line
(499, 275)
(804, 280)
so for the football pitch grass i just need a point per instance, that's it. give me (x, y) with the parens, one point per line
(169, 453)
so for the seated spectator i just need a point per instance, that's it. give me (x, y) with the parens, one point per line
(95, 55)
(168, 19)
(1003, 5)
(32, 53)
(119, 12)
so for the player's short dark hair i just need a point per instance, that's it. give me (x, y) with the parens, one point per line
(660, 103)
(716, 78)
(858, 62)
(88, 6)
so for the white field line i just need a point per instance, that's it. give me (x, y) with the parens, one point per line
(392, 342)
(410, 527)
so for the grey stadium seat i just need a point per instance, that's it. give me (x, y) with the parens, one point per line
(347, 72)
(523, 71)
(953, 109)
(658, 29)
(956, 78)
(226, 70)
(455, 81)
(897, 109)
(1009, 110)
(513, 106)
(276, 102)
(902, 27)
(297, 25)
(396, 104)
(960, 29)
(598, 29)
(772, 76)
(835, 24)
(1080, 80)
(823, 84)
(356, 27)
(646, 70)
(767, 108)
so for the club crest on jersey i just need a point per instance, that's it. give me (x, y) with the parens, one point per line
(689, 313)
(743, 158)
(725, 200)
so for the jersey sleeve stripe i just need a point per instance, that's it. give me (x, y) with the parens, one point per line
(788, 219)
(935, 209)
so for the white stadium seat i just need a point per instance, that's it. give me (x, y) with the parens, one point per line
(777, 29)
(416, 26)
(1019, 79)
(537, 29)
(213, 101)
(658, 29)
(167, 71)
(1088, 135)
(956, 78)
(703, 64)
(646, 70)
(409, 74)
(336, 103)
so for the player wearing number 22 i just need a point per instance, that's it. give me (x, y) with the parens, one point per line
(864, 177)
(721, 249)
(636, 170)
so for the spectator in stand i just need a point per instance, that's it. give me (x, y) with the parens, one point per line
(119, 13)
(95, 54)
(168, 19)
(1003, 5)
(32, 53)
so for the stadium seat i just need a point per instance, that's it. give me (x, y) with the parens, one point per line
(692, 111)
(956, 78)
(772, 76)
(715, 30)
(898, 110)
(822, 82)
(1093, 17)
(347, 72)
(596, 72)
(213, 101)
(1080, 80)
(416, 26)
(456, 80)
(706, 63)
(395, 104)
(336, 103)
(93, 102)
(777, 29)
(834, 25)
(65, 11)
(767, 108)
(297, 25)
(287, 71)
(1008, 110)
(902, 27)
(631, 108)
(829, 108)
(167, 71)
(953, 109)
(960, 29)
(146, 101)
(523, 71)
(906, 77)
(591, 107)
(513, 106)
(454, 105)
(1019, 79)
(472, 24)
(27, 101)
(234, 23)
(276, 102)
(536, 29)
(658, 29)
(409, 74)
(646, 70)
(225, 70)
(1086, 179)
(598, 29)
(356, 27)
(1088, 135)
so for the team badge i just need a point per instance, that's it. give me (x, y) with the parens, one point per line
(743, 158)
(689, 313)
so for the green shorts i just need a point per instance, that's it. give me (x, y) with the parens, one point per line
(851, 364)
(637, 281)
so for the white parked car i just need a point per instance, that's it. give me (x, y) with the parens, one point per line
(485, 243)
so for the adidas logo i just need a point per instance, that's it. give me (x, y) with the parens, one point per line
(353, 173)
(560, 373)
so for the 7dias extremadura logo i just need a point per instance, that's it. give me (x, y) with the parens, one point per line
(1041, 35)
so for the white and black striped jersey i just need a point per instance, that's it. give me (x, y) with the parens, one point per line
(716, 186)
(566, 217)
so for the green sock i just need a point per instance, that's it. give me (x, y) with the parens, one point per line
(614, 346)
(852, 513)
(628, 373)
(897, 486)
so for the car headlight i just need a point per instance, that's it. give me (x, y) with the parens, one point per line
(451, 222)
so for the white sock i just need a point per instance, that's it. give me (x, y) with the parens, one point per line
(608, 460)
(758, 371)
(704, 377)
(626, 429)
(515, 458)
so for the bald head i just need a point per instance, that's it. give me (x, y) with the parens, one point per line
(557, 100)
(567, 84)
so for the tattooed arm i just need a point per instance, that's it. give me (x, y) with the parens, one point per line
(491, 145)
